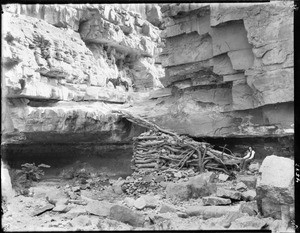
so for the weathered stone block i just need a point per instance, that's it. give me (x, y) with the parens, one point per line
(249, 207)
(241, 59)
(248, 222)
(273, 86)
(223, 65)
(180, 72)
(211, 211)
(249, 195)
(80, 222)
(249, 181)
(226, 193)
(145, 201)
(126, 215)
(275, 187)
(99, 208)
(234, 77)
(277, 179)
(102, 93)
(242, 97)
(167, 208)
(188, 48)
(240, 186)
(179, 191)
(154, 15)
(200, 186)
(229, 37)
(215, 201)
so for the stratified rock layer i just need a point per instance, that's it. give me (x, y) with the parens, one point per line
(230, 69)
(63, 65)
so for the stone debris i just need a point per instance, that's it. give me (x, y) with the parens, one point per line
(99, 208)
(182, 215)
(254, 167)
(179, 191)
(41, 210)
(223, 177)
(249, 195)
(226, 193)
(61, 208)
(167, 208)
(200, 185)
(231, 217)
(57, 196)
(249, 223)
(249, 181)
(113, 225)
(145, 201)
(126, 215)
(249, 208)
(240, 186)
(117, 186)
(215, 201)
(129, 201)
(80, 222)
(211, 211)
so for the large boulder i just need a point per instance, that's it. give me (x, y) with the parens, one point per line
(275, 187)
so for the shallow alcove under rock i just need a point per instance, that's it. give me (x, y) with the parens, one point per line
(263, 146)
(113, 160)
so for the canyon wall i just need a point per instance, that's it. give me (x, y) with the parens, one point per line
(228, 70)
(65, 67)
(205, 70)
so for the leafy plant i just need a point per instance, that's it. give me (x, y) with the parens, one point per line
(33, 172)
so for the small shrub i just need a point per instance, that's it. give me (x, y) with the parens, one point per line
(33, 172)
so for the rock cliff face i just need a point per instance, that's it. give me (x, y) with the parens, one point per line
(228, 70)
(216, 70)
(65, 67)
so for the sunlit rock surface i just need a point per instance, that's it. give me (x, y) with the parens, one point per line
(230, 69)
(63, 65)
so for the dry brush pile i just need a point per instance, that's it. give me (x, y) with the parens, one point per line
(162, 149)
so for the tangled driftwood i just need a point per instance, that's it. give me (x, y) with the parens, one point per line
(160, 148)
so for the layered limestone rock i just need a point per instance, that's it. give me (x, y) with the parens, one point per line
(228, 70)
(60, 61)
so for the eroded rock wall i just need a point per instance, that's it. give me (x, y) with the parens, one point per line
(66, 67)
(228, 69)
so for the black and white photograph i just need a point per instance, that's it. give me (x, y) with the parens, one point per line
(148, 116)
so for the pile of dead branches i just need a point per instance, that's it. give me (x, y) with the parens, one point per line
(162, 149)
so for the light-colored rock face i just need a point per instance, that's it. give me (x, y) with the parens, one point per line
(230, 68)
(60, 59)
(277, 171)
(224, 75)
(275, 187)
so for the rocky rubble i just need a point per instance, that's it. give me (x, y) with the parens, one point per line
(65, 204)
